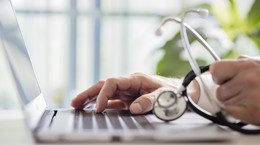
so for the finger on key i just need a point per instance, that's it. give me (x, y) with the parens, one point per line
(111, 86)
(87, 96)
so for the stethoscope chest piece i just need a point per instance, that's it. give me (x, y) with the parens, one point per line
(169, 106)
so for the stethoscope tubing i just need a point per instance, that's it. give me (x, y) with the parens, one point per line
(219, 117)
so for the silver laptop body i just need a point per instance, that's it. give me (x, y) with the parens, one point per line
(69, 125)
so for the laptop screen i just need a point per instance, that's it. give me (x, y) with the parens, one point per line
(16, 53)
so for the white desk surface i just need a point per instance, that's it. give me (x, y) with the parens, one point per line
(13, 132)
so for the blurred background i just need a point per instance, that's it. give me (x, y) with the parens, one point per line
(75, 43)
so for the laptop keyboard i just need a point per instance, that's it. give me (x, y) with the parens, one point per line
(80, 120)
(113, 120)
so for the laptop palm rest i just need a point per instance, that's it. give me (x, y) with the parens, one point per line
(120, 125)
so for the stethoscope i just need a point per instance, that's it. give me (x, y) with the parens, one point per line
(170, 105)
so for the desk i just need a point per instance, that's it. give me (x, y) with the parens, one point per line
(13, 131)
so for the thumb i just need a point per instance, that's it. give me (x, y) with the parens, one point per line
(143, 104)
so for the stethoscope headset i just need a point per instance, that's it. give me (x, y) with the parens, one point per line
(171, 105)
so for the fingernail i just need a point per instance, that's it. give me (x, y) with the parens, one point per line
(136, 108)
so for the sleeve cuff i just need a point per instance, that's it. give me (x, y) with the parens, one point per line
(204, 102)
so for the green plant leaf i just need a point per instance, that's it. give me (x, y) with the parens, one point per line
(253, 17)
(231, 54)
(231, 21)
(255, 36)
(171, 64)
(253, 21)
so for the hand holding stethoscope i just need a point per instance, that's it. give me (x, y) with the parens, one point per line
(171, 105)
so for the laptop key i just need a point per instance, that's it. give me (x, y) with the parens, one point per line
(144, 123)
(76, 119)
(114, 119)
(101, 121)
(87, 119)
(126, 117)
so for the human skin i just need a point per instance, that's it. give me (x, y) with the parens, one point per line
(239, 87)
(238, 80)
(136, 92)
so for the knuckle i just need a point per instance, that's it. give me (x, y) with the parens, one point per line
(138, 75)
(216, 67)
(220, 94)
(251, 80)
(214, 70)
(250, 63)
(111, 80)
(100, 82)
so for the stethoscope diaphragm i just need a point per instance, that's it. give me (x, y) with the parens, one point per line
(169, 106)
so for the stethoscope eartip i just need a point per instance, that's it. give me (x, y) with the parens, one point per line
(203, 13)
(159, 31)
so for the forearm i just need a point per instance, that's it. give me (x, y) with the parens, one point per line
(193, 91)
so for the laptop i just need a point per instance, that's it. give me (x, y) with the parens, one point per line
(70, 125)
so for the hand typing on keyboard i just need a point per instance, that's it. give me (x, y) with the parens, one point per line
(135, 92)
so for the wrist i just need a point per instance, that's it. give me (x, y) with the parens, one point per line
(193, 91)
